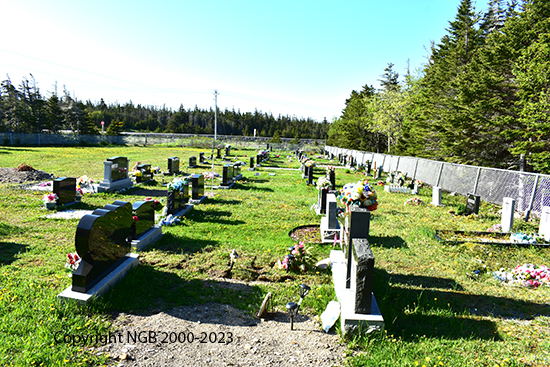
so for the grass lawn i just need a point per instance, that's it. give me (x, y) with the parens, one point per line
(437, 310)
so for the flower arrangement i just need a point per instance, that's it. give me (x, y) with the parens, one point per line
(526, 275)
(330, 168)
(323, 183)
(380, 183)
(419, 183)
(84, 181)
(495, 228)
(210, 175)
(359, 193)
(50, 198)
(299, 258)
(178, 184)
(414, 201)
(309, 163)
(79, 191)
(401, 178)
(73, 260)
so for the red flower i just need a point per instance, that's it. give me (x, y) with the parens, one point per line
(135, 217)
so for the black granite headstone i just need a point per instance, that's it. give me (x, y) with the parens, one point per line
(310, 176)
(364, 275)
(219, 154)
(192, 162)
(251, 162)
(331, 176)
(65, 188)
(197, 186)
(236, 169)
(173, 166)
(119, 169)
(144, 212)
(146, 174)
(201, 157)
(472, 203)
(102, 241)
(322, 200)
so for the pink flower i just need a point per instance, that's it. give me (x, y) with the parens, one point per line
(135, 217)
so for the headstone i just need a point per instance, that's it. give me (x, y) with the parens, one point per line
(115, 175)
(102, 241)
(226, 175)
(331, 177)
(145, 173)
(228, 150)
(378, 174)
(258, 159)
(472, 203)
(173, 166)
(364, 275)
(508, 208)
(251, 162)
(192, 162)
(544, 228)
(322, 200)
(197, 186)
(332, 212)
(145, 213)
(310, 176)
(119, 169)
(237, 171)
(65, 188)
(358, 228)
(368, 167)
(219, 153)
(201, 157)
(436, 196)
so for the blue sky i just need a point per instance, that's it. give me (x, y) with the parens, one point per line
(296, 58)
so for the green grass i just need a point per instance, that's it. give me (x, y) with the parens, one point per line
(437, 312)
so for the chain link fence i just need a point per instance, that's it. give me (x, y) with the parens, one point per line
(182, 140)
(531, 191)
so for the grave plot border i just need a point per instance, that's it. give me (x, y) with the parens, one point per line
(440, 236)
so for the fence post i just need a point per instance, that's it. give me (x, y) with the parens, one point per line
(415, 168)
(476, 181)
(439, 175)
(535, 186)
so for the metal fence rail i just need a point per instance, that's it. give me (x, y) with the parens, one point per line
(531, 191)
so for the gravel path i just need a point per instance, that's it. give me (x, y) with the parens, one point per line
(246, 341)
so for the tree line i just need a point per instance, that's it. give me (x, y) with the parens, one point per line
(24, 109)
(482, 98)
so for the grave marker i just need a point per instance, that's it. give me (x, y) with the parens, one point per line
(115, 175)
(192, 162)
(472, 203)
(197, 189)
(508, 208)
(65, 188)
(544, 228)
(173, 166)
(145, 173)
(436, 196)
(201, 157)
(102, 241)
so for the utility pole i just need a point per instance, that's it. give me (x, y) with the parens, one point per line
(215, 135)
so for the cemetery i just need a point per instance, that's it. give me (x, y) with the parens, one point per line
(413, 284)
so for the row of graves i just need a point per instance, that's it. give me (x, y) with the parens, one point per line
(107, 238)
(353, 263)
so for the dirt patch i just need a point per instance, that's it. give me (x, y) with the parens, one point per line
(13, 175)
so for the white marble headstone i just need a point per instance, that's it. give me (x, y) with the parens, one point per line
(436, 196)
(508, 207)
(544, 228)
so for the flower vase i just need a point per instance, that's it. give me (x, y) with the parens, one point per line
(50, 206)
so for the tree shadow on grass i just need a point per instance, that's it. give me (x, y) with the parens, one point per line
(388, 241)
(9, 250)
(252, 188)
(146, 290)
(441, 310)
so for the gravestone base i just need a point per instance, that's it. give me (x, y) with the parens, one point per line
(106, 186)
(352, 322)
(327, 234)
(195, 166)
(238, 177)
(251, 169)
(151, 236)
(104, 285)
(183, 211)
(200, 200)
(228, 186)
